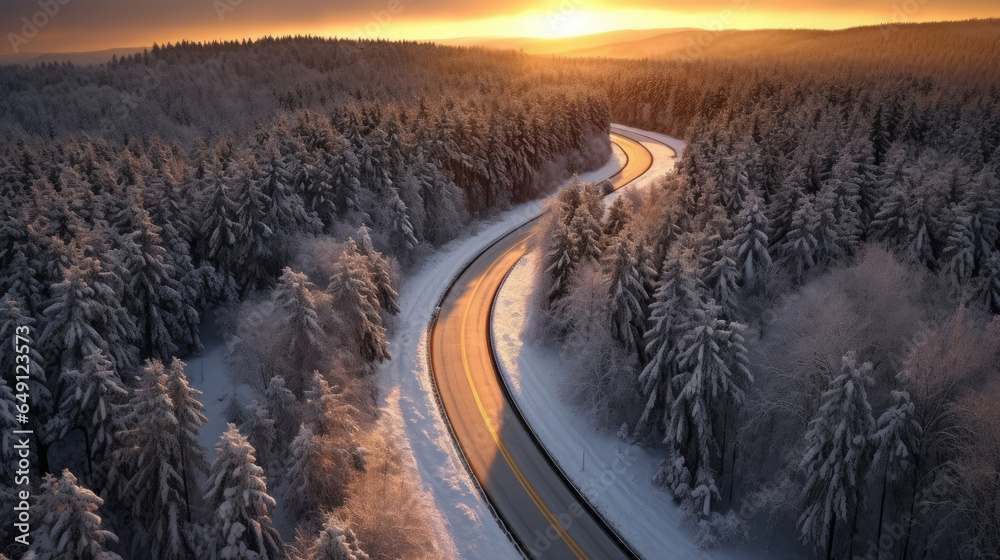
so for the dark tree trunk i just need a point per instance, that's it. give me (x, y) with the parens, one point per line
(829, 538)
(881, 513)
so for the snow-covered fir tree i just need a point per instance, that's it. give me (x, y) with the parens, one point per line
(166, 321)
(558, 260)
(303, 455)
(69, 527)
(799, 248)
(357, 295)
(260, 431)
(674, 301)
(380, 271)
(334, 543)
(255, 258)
(836, 456)
(749, 244)
(85, 313)
(293, 297)
(91, 399)
(236, 494)
(722, 278)
(190, 416)
(147, 474)
(713, 376)
(628, 295)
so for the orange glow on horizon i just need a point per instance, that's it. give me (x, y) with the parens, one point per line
(551, 20)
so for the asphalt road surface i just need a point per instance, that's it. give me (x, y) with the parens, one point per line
(539, 507)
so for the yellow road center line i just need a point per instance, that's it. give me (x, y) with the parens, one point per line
(535, 498)
(563, 533)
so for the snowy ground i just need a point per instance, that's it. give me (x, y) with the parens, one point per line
(613, 475)
(464, 525)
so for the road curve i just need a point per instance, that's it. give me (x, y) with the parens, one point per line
(540, 508)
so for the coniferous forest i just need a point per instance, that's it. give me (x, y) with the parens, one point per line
(802, 317)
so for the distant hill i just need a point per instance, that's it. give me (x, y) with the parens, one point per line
(81, 58)
(798, 44)
(558, 46)
(872, 42)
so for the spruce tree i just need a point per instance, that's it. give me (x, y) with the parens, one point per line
(69, 527)
(147, 474)
(749, 244)
(836, 455)
(91, 399)
(627, 295)
(190, 417)
(357, 296)
(335, 543)
(713, 375)
(236, 494)
(674, 301)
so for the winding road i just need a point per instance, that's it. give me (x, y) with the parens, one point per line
(539, 507)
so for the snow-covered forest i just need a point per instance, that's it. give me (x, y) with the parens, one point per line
(287, 184)
(803, 318)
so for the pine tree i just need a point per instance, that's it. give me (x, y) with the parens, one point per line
(236, 493)
(280, 401)
(619, 216)
(827, 230)
(356, 295)
(847, 183)
(722, 278)
(69, 527)
(381, 274)
(749, 244)
(303, 454)
(147, 473)
(255, 259)
(293, 296)
(220, 227)
(286, 212)
(190, 417)
(627, 295)
(893, 439)
(85, 314)
(713, 374)
(92, 396)
(987, 283)
(327, 412)
(836, 455)
(335, 543)
(558, 260)
(166, 321)
(674, 300)
(798, 250)
(402, 238)
(959, 252)
(260, 431)
(586, 236)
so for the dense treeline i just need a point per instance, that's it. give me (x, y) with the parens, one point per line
(803, 316)
(253, 178)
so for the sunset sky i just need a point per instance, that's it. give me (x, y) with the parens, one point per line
(84, 25)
